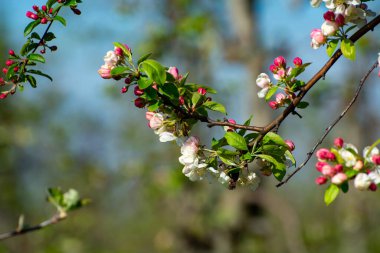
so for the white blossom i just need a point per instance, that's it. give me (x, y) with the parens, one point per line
(348, 157)
(367, 156)
(362, 181)
(111, 59)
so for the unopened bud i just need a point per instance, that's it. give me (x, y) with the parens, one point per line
(139, 102)
(202, 91)
(124, 89)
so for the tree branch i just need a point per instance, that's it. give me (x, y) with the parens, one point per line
(19, 231)
(327, 131)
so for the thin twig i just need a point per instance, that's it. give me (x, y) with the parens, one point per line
(327, 131)
(320, 74)
(53, 220)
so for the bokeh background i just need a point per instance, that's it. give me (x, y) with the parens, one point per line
(80, 132)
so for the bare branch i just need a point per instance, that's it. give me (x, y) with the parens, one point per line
(327, 131)
(53, 220)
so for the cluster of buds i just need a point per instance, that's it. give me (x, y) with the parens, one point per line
(340, 13)
(12, 66)
(343, 163)
(285, 76)
(42, 14)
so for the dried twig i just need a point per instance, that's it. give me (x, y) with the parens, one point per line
(327, 131)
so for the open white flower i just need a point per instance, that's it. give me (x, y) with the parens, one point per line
(362, 181)
(348, 157)
(368, 156)
(315, 3)
(111, 59)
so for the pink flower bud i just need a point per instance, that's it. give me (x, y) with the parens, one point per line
(290, 145)
(181, 100)
(328, 171)
(2, 82)
(149, 115)
(124, 89)
(338, 168)
(339, 178)
(35, 8)
(42, 51)
(118, 51)
(338, 142)
(320, 180)
(329, 16)
(229, 128)
(280, 97)
(202, 91)
(105, 71)
(31, 15)
(9, 62)
(279, 61)
(50, 10)
(273, 105)
(358, 165)
(376, 159)
(156, 121)
(3, 95)
(319, 166)
(15, 69)
(44, 20)
(11, 52)
(340, 21)
(297, 62)
(372, 187)
(174, 72)
(325, 154)
(154, 86)
(139, 102)
(44, 8)
(273, 69)
(137, 91)
(317, 38)
(127, 80)
(5, 70)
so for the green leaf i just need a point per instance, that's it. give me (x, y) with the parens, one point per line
(29, 28)
(119, 70)
(32, 81)
(214, 106)
(49, 36)
(331, 46)
(331, 193)
(302, 105)
(246, 123)
(154, 107)
(143, 58)
(144, 83)
(348, 49)
(170, 90)
(50, 3)
(195, 98)
(195, 87)
(154, 70)
(37, 72)
(290, 156)
(235, 140)
(35, 35)
(36, 57)
(227, 161)
(271, 92)
(344, 187)
(278, 170)
(275, 138)
(60, 20)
